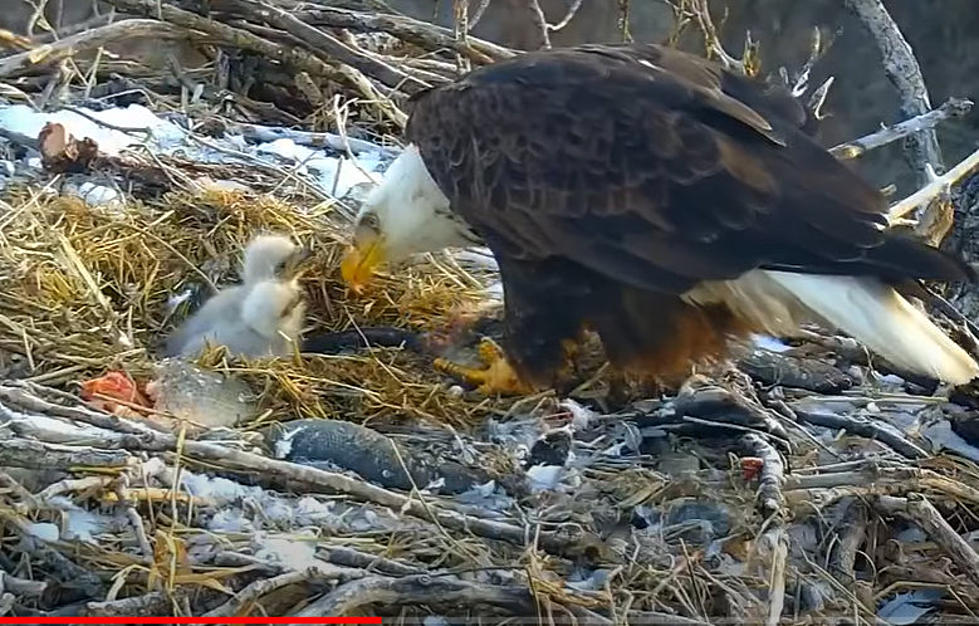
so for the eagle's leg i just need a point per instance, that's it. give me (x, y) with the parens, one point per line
(539, 332)
(498, 377)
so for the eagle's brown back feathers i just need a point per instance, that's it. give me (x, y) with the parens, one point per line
(650, 169)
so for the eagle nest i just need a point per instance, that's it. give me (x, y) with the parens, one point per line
(88, 289)
(675, 509)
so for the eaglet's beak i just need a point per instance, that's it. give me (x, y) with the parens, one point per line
(364, 256)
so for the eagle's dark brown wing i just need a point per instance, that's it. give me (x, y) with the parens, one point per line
(654, 168)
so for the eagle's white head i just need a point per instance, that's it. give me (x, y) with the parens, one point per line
(405, 214)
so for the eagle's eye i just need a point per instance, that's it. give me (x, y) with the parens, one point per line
(371, 221)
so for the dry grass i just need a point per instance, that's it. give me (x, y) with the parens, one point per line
(87, 289)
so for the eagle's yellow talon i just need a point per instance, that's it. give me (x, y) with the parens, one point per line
(498, 377)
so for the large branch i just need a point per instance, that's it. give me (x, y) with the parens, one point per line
(919, 510)
(903, 71)
(323, 44)
(935, 188)
(93, 39)
(289, 56)
(421, 34)
(953, 107)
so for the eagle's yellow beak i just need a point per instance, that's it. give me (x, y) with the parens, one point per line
(364, 256)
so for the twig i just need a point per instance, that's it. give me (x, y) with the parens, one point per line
(257, 132)
(422, 589)
(73, 29)
(239, 604)
(354, 558)
(153, 604)
(935, 188)
(27, 498)
(539, 21)
(853, 529)
(701, 9)
(864, 427)
(16, 452)
(478, 13)
(953, 107)
(776, 582)
(900, 65)
(89, 40)
(21, 586)
(772, 473)
(572, 11)
(918, 509)
(123, 129)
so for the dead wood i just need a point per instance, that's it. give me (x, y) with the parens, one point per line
(279, 473)
(324, 45)
(864, 427)
(422, 34)
(772, 475)
(48, 54)
(442, 591)
(290, 56)
(902, 69)
(851, 532)
(918, 509)
(952, 108)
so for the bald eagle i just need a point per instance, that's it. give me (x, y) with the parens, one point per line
(656, 199)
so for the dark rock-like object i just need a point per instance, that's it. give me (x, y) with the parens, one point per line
(551, 449)
(774, 368)
(347, 446)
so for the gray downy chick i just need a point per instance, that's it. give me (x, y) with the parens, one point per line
(260, 317)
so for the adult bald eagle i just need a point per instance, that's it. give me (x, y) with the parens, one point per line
(657, 199)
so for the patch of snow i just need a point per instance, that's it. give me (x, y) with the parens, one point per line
(98, 195)
(45, 531)
(581, 416)
(545, 477)
(335, 175)
(907, 608)
(488, 495)
(83, 525)
(23, 119)
(230, 521)
(942, 437)
(310, 511)
(595, 581)
(283, 445)
(289, 552)
(220, 490)
(770, 343)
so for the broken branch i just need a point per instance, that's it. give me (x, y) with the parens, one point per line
(93, 39)
(900, 65)
(953, 107)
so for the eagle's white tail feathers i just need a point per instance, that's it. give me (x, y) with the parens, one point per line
(880, 318)
(867, 309)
